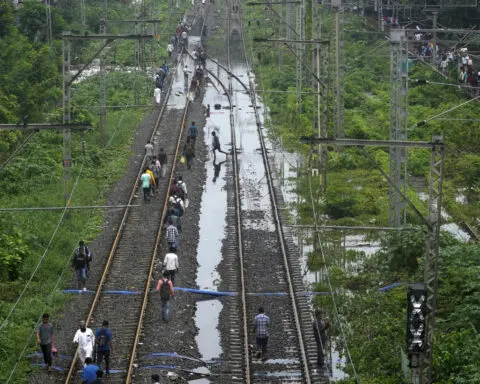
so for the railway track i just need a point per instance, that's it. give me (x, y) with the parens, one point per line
(131, 261)
(256, 241)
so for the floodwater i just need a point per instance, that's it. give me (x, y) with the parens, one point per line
(213, 222)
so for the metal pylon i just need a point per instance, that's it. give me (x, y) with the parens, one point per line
(337, 48)
(300, 48)
(82, 12)
(67, 118)
(48, 12)
(432, 246)
(398, 127)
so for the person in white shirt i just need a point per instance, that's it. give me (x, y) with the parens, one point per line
(170, 264)
(170, 49)
(85, 339)
(157, 94)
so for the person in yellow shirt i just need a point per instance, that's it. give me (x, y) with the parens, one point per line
(153, 185)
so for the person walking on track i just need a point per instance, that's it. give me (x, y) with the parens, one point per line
(45, 340)
(170, 264)
(162, 157)
(319, 331)
(216, 144)
(146, 182)
(192, 132)
(165, 287)
(149, 152)
(85, 339)
(81, 264)
(172, 235)
(103, 337)
(261, 324)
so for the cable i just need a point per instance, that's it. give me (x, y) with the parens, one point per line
(5, 321)
(40, 317)
(314, 211)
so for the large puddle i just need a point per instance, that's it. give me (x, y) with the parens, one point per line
(212, 225)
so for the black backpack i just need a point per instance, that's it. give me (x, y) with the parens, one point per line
(103, 339)
(165, 290)
(158, 82)
(80, 256)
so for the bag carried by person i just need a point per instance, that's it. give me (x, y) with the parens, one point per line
(182, 160)
(103, 339)
(165, 290)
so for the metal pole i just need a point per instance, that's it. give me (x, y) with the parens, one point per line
(434, 53)
(432, 248)
(103, 85)
(67, 133)
(398, 127)
(299, 27)
(337, 67)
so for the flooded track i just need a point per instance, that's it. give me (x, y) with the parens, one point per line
(259, 255)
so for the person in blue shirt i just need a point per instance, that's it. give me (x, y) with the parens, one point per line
(89, 374)
(103, 338)
(192, 132)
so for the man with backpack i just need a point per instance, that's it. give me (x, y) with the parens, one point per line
(165, 287)
(156, 168)
(172, 216)
(81, 264)
(183, 188)
(103, 337)
(175, 190)
(170, 264)
(178, 204)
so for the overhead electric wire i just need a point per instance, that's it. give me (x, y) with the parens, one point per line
(327, 274)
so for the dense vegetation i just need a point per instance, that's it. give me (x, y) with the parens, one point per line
(374, 322)
(36, 246)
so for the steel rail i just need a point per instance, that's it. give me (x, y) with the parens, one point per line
(121, 228)
(158, 237)
(278, 224)
(238, 214)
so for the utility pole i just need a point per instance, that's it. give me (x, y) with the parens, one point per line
(432, 250)
(67, 119)
(82, 12)
(397, 212)
(338, 67)
(103, 80)
(48, 11)
(435, 20)
(300, 48)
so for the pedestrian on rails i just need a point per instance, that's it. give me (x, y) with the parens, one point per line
(103, 338)
(183, 187)
(157, 94)
(172, 215)
(178, 204)
(186, 72)
(81, 264)
(165, 287)
(192, 132)
(149, 151)
(156, 168)
(170, 264)
(99, 380)
(89, 374)
(216, 144)
(162, 157)
(170, 49)
(45, 340)
(261, 324)
(173, 41)
(185, 39)
(153, 185)
(171, 234)
(320, 327)
(146, 181)
(189, 152)
(216, 169)
(85, 339)
(155, 379)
